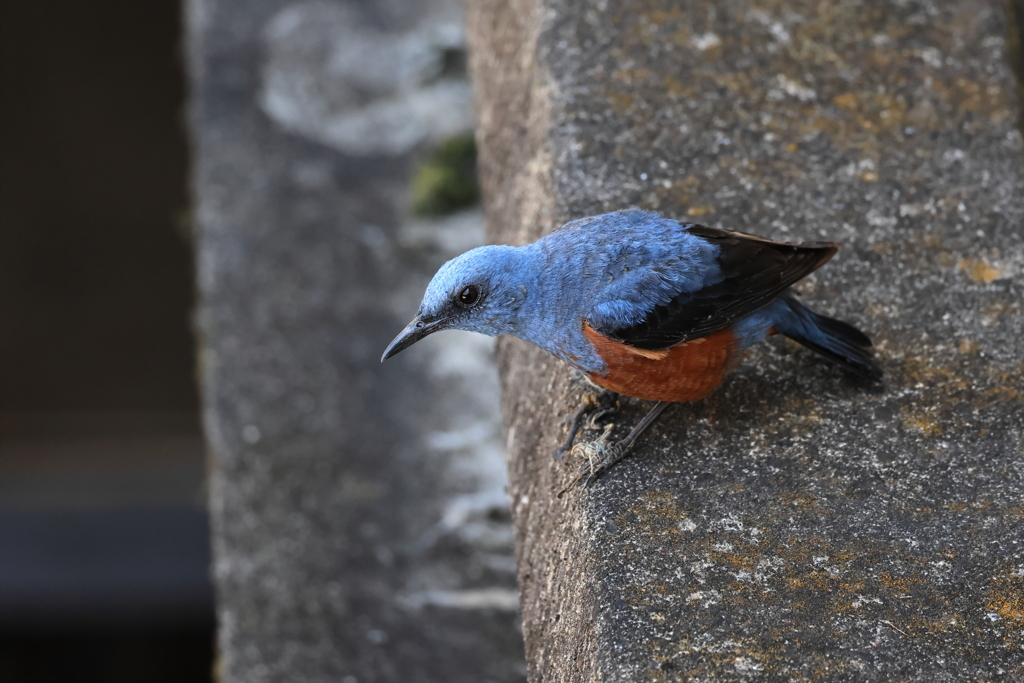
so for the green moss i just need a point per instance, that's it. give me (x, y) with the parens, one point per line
(447, 181)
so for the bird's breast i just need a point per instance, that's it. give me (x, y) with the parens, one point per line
(685, 372)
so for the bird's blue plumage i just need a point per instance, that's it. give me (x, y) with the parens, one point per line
(631, 275)
(610, 270)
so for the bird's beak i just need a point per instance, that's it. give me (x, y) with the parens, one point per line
(413, 332)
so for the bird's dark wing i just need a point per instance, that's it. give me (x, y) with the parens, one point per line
(753, 271)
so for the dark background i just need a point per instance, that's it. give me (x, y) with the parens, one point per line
(104, 548)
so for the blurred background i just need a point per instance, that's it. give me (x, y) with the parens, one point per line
(104, 539)
(105, 536)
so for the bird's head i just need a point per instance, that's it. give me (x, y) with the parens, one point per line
(479, 291)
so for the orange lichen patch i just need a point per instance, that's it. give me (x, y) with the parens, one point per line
(941, 393)
(883, 248)
(923, 369)
(1006, 599)
(993, 310)
(900, 584)
(1012, 376)
(680, 37)
(921, 421)
(979, 271)
(802, 414)
(660, 518)
(739, 556)
(700, 210)
(660, 17)
(846, 100)
(1002, 394)
(863, 120)
(658, 504)
(737, 82)
(690, 182)
(971, 96)
(631, 75)
(805, 500)
(621, 102)
(641, 34)
(678, 88)
(918, 626)
(812, 580)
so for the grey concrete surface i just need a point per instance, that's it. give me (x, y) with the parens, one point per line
(360, 523)
(794, 526)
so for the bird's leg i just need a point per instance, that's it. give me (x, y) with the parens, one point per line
(574, 420)
(604, 402)
(591, 471)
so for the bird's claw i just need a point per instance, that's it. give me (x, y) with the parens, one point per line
(598, 459)
(609, 455)
(567, 444)
(575, 421)
(593, 470)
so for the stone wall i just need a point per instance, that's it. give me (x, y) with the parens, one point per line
(795, 525)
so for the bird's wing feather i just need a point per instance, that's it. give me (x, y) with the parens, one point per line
(747, 273)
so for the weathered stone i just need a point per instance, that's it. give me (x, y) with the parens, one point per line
(359, 515)
(794, 525)
(367, 80)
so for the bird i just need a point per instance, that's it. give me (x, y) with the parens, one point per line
(643, 305)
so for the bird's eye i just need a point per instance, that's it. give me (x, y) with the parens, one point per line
(469, 295)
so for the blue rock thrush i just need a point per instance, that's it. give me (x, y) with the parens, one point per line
(643, 305)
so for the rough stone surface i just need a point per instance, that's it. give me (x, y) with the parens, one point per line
(794, 525)
(360, 523)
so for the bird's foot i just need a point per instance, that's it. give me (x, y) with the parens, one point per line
(599, 456)
(601, 404)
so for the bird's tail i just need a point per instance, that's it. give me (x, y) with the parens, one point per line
(840, 342)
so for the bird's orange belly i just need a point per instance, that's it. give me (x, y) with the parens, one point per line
(685, 372)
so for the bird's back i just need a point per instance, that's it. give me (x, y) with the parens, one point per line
(652, 282)
(657, 301)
